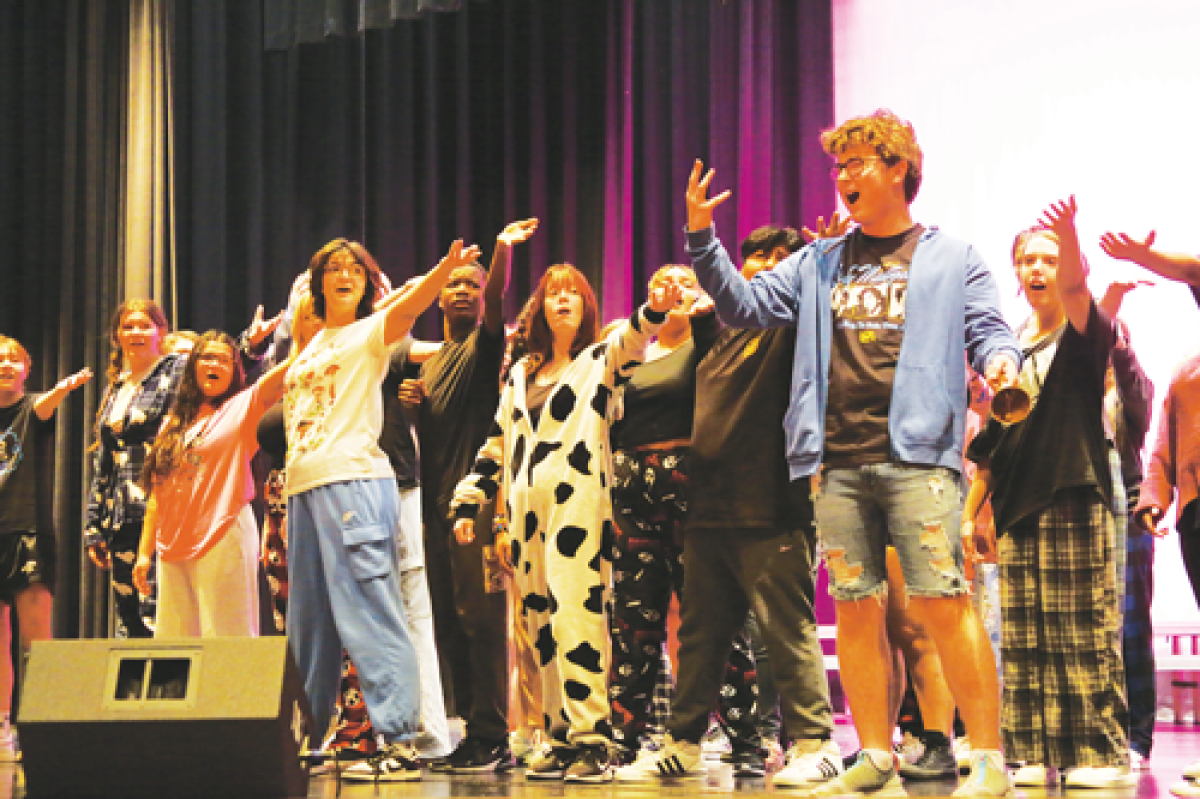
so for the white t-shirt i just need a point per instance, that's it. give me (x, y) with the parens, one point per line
(333, 408)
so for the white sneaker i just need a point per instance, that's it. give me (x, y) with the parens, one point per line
(1137, 762)
(909, 750)
(1101, 777)
(1033, 775)
(1187, 788)
(715, 743)
(679, 760)
(395, 763)
(1192, 772)
(644, 767)
(962, 753)
(809, 762)
(774, 759)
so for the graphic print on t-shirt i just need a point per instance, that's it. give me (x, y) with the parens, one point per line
(868, 303)
(870, 298)
(10, 454)
(311, 395)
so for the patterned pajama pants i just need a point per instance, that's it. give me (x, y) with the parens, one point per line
(650, 493)
(1064, 682)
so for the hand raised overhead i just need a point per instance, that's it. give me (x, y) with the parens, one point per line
(699, 206)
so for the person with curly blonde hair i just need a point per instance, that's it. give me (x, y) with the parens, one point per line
(878, 408)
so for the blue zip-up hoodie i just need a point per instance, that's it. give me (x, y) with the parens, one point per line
(951, 301)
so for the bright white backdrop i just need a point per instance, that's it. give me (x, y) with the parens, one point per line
(1019, 103)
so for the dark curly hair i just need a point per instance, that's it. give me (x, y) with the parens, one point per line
(169, 447)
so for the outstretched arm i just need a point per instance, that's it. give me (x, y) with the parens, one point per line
(1174, 266)
(45, 405)
(270, 387)
(1072, 272)
(402, 312)
(497, 277)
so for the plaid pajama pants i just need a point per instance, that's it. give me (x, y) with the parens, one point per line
(1064, 681)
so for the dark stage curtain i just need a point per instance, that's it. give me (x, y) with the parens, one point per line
(585, 114)
(62, 121)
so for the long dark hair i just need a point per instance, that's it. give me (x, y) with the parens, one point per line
(168, 448)
(540, 340)
(320, 262)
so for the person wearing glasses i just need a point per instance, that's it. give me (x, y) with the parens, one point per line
(198, 516)
(343, 502)
(878, 404)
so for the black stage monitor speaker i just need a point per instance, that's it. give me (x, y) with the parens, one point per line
(208, 717)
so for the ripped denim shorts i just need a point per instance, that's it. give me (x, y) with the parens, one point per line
(917, 509)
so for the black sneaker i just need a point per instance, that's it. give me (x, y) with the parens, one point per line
(593, 764)
(476, 756)
(397, 762)
(937, 762)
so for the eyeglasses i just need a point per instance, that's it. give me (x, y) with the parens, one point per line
(853, 167)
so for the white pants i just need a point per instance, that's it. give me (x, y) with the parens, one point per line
(215, 595)
(414, 592)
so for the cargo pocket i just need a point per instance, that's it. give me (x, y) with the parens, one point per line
(368, 549)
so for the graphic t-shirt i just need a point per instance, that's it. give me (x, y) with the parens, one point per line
(868, 328)
(211, 485)
(334, 407)
(26, 460)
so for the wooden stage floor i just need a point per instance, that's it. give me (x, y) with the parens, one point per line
(1175, 747)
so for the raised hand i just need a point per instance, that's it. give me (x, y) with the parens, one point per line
(836, 227)
(1060, 217)
(665, 296)
(458, 255)
(518, 232)
(699, 206)
(1124, 247)
(260, 329)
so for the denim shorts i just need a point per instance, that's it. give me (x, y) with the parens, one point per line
(917, 509)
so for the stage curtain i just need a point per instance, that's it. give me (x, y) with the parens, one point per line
(585, 114)
(246, 160)
(63, 91)
(148, 224)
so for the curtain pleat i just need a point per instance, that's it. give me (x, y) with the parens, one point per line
(148, 223)
(587, 115)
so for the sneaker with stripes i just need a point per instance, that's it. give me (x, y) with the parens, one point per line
(679, 759)
(864, 778)
(809, 762)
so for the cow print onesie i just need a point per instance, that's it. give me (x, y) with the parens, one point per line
(555, 482)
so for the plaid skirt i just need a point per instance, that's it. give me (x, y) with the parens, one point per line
(1064, 682)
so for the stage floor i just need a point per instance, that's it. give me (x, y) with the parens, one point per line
(1175, 746)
